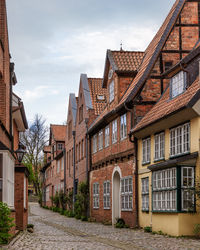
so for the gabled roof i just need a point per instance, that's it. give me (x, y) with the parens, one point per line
(166, 106)
(86, 91)
(151, 55)
(96, 90)
(58, 132)
(153, 51)
(122, 62)
(73, 102)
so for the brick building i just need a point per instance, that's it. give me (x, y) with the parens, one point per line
(53, 170)
(113, 177)
(82, 111)
(13, 189)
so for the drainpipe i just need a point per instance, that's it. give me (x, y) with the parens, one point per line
(74, 169)
(10, 111)
(135, 142)
(64, 155)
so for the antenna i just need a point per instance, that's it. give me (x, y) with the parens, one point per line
(121, 49)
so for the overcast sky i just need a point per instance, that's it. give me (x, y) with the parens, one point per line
(53, 41)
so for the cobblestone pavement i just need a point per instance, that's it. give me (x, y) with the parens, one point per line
(54, 231)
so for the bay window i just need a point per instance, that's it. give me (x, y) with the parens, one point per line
(107, 136)
(165, 191)
(94, 144)
(101, 140)
(123, 127)
(114, 131)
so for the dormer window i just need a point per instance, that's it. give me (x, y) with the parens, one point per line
(178, 83)
(111, 91)
(100, 98)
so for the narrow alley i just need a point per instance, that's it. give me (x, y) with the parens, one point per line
(54, 231)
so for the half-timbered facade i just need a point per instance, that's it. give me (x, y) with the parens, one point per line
(177, 36)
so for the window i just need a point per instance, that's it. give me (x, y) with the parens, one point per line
(127, 194)
(159, 146)
(82, 149)
(123, 127)
(180, 140)
(81, 113)
(100, 98)
(60, 146)
(96, 195)
(24, 191)
(187, 188)
(107, 136)
(111, 91)
(178, 83)
(94, 144)
(146, 150)
(101, 140)
(106, 194)
(166, 186)
(58, 166)
(114, 131)
(47, 193)
(145, 194)
(62, 163)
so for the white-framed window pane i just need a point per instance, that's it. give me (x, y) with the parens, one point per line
(101, 140)
(107, 136)
(106, 194)
(94, 143)
(180, 140)
(114, 131)
(146, 150)
(159, 146)
(111, 91)
(127, 193)
(123, 127)
(96, 195)
(178, 84)
(145, 194)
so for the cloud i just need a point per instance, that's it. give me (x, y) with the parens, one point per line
(38, 93)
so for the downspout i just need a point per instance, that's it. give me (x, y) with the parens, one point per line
(87, 169)
(11, 91)
(64, 154)
(74, 169)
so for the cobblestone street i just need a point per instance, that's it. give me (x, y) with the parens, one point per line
(54, 231)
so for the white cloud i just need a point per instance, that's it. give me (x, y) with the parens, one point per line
(38, 93)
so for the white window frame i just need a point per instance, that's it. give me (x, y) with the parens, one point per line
(178, 83)
(100, 137)
(146, 150)
(96, 195)
(145, 193)
(187, 193)
(111, 91)
(107, 136)
(106, 195)
(180, 140)
(123, 127)
(94, 144)
(159, 146)
(114, 131)
(127, 193)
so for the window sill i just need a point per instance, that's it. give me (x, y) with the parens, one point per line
(179, 155)
(114, 142)
(146, 163)
(158, 160)
(122, 139)
(127, 210)
(106, 208)
(95, 208)
(145, 211)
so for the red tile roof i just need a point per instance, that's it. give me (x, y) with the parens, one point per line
(95, 86)
(58, 132)
(166, 106)
(150, 58)
(127, 61)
